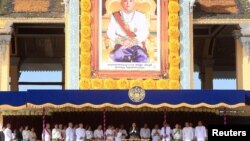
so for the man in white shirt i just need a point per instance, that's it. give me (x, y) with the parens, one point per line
(118, 134)
(177, 133)
(110, 133)
(98, 133)
(80, 133)
(200, 132)
(26, 133)
(8, 133)
(156, 133)
(124, 132)
(89, 133)
(128, 31)
(145, 132)
(187, 133)
(56, 135)
(62, 132)
(46, 135)
(70, 132)
(166, 132)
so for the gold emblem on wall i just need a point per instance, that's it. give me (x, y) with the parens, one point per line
(136, 94)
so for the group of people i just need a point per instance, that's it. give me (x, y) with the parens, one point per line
(79, 133)
(23, 134)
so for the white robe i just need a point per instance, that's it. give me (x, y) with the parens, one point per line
(187, 134)
(80, 133)
(89, 134)
(177, 135)
(26, 135)
(98, 134)
(124, 133)
(166, 136)
(32, 136)
(56, 134)
(118, 136)
(46, 135)
(156, 134)
(200, 133)
(137, 23)
(70, 134)
(145, 133)
(7, 134)
(110, 134)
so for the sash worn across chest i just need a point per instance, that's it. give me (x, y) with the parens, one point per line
(118, 18)
(130, 34)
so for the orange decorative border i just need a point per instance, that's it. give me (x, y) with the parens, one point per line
(171, 42)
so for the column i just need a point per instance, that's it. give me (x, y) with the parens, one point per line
(206, 74)
(185, 66)
(4, 62)
(242, 44)
(72, 44)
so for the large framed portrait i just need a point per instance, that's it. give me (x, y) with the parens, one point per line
(129, 39)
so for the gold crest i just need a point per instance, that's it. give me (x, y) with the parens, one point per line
(136, 94)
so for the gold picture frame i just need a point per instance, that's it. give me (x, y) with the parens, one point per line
(167, 78)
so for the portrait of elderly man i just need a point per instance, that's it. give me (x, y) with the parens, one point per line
(128, 30)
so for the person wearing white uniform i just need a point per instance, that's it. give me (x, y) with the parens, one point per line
(124, 132)
(128, 30)
(80, 133)
(191, 125)
(98, 133)
(145, 132)
(110, 133)
(8, 133)
(46, 136)
(187, 133)
(70, 132)
(177, 133)
(200, 132)
(56, 135)
(156, 133)
(62, 132)
(32, 134)
(26, 133)
(118, 134)
(166, 132)
(89, 134)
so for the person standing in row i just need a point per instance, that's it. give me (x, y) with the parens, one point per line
(133, 132)
(80, 133)
(145, 132)
(110, 133)
(187, 132)
(124, 132)
(200, 132)
(26, 134)
(156, 133)
(70, 132)
(166, 132)
(56, 135)
(89, 133)
(1, 133)
(33, 134)
(46, 135)
(177, 133)
(98, 133)
(118, 134)
(8, 133)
